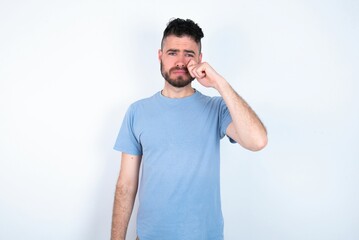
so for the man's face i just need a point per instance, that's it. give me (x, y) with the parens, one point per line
(174, 56)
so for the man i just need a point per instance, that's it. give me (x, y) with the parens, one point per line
(175, 136)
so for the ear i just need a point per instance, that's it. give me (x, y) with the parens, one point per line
(160, 54)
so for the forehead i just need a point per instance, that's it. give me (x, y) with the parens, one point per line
(183, 42)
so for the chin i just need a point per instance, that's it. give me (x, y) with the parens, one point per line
(179, 83)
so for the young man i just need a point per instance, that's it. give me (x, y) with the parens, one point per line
(175, 134)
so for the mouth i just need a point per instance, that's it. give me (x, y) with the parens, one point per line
(180, 71)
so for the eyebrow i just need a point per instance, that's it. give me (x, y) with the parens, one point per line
(177, 50)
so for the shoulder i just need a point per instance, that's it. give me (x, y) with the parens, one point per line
(212, 100)
(142, 106)
(143, 102)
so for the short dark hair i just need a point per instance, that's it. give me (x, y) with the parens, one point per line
(180, 27)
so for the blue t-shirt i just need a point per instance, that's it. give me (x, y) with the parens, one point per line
(179, 195)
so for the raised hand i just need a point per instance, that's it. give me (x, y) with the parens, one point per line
(204, 74)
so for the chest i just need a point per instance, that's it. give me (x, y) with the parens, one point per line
(176, 128)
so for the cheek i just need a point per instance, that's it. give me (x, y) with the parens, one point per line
(167, 64)
(164, 66)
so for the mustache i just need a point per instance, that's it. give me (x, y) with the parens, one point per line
(179, 68)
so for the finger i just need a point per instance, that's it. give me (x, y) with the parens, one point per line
(201, 74)
(191, 65)
(191, 62)
(194, 72)
(191, 71)
(200, 71)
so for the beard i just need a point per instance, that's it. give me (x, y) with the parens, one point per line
(178, 82)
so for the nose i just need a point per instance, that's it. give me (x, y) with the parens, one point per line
(180, 62)
(180, 65)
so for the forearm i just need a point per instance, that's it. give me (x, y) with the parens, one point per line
(248, 130)
(122, 209)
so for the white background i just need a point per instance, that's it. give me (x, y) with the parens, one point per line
(69, 70)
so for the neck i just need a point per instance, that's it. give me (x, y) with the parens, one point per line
(174, 92)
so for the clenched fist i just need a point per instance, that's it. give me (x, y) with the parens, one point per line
(204, 74)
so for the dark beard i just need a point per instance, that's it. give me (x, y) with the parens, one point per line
(178, 82)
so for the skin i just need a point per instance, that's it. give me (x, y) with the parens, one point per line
(245, 128)
(126, 189)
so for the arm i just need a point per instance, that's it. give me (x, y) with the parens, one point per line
(245, 128)
(126, 189)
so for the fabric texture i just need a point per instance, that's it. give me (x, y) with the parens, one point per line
(179, 194)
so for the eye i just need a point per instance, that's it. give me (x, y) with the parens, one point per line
(172, 53)
(189, 55)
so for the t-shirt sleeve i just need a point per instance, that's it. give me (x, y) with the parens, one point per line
(224, 119)
(127, 141)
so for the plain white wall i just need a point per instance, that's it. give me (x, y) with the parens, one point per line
(69, 70)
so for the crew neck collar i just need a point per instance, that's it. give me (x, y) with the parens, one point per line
(183, 99)
(194, 93)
